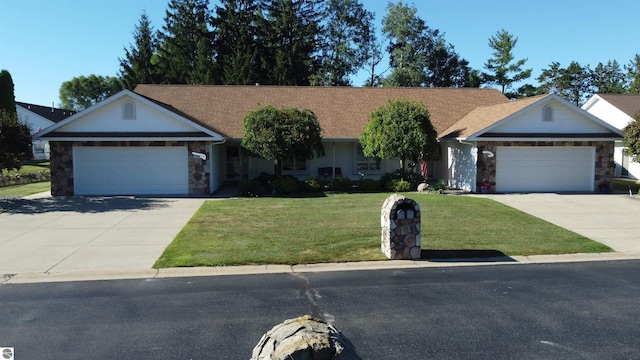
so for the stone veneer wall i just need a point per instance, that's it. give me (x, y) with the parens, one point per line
(199, 170)
(61, 168)
(62, 163)
(604, 166)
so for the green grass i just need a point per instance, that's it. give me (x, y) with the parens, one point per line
(29, 167)
(346, 227)
(624, 185)
(26, 189)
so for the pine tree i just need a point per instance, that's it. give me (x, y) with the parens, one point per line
(186, 50)
(236, 41)
(289, 30)
(15, 137)
(503, 71)
(138, 66)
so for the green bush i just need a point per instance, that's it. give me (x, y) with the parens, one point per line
(251, 188)
(312, 184)
(412, 178)
(341, 184)
(285, 185)
(398, 185)
(368, 185)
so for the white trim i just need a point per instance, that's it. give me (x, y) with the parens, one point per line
(168, 138)
(126, 93)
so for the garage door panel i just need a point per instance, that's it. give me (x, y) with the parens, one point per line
(139, 170)
(544, 169)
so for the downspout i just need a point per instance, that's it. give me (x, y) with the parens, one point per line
(333, 160)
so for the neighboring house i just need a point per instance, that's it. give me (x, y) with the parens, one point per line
(619, 111)
(39, 118)
(182, 139)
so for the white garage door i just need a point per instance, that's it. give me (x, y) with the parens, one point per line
(545, 169)
(136, 170)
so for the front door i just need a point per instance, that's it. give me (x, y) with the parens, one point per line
(235, 164)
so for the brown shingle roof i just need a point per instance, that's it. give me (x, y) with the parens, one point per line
(627, 103)
(343, 112)
(482, 117)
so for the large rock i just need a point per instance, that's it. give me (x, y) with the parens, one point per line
(304, 338)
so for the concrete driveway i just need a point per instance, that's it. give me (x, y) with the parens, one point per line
(69, 234)
(611, 219)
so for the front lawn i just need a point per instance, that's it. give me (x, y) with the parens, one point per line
(26, 189)
(29, 167)
(346, 227)
(625, 185)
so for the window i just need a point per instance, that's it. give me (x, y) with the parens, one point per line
(364, 163)
(294, 165)
(128, 111)
(547, 113)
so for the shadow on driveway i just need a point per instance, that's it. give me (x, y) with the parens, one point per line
(79, 204)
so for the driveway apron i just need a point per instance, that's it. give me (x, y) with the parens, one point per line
(611, 219)
(57, 235)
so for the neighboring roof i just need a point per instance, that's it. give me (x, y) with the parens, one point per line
(343, 112)
(47, 112)
(480, 121)
(485, 116)
(627, 103)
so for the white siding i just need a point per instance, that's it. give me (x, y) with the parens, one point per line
(461, 166)
(565, 120)
(608, 113)
(109, 119)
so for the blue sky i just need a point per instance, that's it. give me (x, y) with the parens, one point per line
(46, 42)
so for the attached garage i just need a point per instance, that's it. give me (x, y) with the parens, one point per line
(139, 170)
(545, 168)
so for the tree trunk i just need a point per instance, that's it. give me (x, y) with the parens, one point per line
(277, 169)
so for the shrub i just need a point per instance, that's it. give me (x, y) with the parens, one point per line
(251, 188)
(368, 185)
(410, 177)
(341, 184)
(399, 185)
(285, 185)
(312, 184)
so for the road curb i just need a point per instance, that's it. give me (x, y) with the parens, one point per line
(28, 278)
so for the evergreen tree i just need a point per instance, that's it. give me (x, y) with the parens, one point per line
(138, 66)
(609, 78)
(186, 50)
(633, 75)
(344, 41)
(573, 83)
(15, 137)
(503, 71)
(236, 28)
(289, 32)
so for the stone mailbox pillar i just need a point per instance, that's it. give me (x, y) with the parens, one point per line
(400, 221)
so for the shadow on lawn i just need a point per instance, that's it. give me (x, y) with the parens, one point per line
(465, 256)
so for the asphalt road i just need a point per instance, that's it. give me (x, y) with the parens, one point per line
(546, 311)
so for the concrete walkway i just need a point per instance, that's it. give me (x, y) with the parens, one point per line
(611, 219)
(45, 235)
(99, 238)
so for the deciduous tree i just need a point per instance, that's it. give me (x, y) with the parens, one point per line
(401, 130)
(632, 139)
(83, 91)
(280, 134)
(344, 41)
